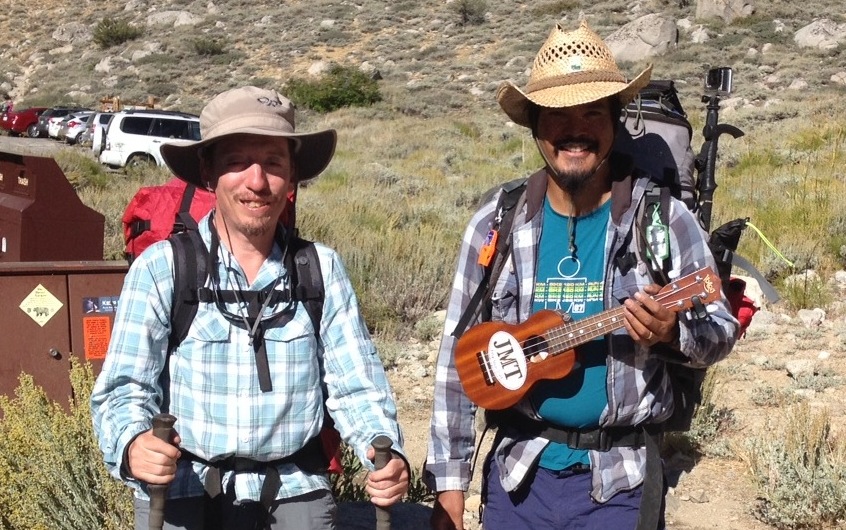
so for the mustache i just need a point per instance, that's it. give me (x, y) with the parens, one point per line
(563, 143)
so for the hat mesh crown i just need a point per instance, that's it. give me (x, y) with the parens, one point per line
(577, 52)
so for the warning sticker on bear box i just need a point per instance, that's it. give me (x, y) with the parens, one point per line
(41, 305)
(96, 332)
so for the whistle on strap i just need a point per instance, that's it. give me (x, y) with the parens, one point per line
(488, 249)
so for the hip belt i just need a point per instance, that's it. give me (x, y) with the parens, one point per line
(310, 458)
(597, 438)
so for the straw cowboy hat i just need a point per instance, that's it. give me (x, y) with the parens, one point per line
(250, 110)
(571, 68)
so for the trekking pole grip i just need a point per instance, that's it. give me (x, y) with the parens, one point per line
(382, 447)
(163, 430)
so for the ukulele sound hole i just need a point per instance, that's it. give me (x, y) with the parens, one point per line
(536, 348)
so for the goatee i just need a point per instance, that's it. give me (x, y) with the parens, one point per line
(572, 181)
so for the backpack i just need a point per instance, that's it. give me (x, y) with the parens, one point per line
(190, 257)
(156, 212)
(657, 136)
(656, 124)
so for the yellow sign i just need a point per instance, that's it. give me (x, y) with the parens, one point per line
(41, 305)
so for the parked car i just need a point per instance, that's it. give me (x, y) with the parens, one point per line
(54, 123)
(92, 136)
(135, 136)
(22, 121)
(72, 125)
(43, 119)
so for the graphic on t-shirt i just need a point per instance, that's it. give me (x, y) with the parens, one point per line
(570, 292)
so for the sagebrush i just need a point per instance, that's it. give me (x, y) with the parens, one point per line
(799, 469)
(52, 475)
(113, 32)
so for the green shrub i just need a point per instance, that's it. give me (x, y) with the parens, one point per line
(349, 485)
(342, 86)
(112, 32)
(81, 170)
(52, 475)
(470, 12)
(209, 46)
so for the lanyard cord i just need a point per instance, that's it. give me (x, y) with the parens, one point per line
(255, 330)
(213, 259)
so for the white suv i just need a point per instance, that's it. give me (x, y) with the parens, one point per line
(134, 136)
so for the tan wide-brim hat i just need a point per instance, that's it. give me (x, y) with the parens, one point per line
(571, 68)
(250, 110)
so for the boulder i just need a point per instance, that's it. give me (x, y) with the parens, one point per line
(173, 18)
(72, 32)
(726, 10)
(824, 34)
(648, 36)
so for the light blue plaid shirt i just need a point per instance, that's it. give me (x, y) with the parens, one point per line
(214, 388)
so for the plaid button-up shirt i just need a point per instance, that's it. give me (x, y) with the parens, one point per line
(213, 385)
(638, 388)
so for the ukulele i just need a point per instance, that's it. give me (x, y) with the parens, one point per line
(498, 363)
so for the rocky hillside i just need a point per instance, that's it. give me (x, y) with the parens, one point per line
(433, 57)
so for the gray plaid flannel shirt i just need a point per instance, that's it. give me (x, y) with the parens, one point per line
(637, 386)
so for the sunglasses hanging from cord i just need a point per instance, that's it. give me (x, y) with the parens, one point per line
(255, 303)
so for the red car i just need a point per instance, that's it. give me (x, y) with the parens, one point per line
(23, 121)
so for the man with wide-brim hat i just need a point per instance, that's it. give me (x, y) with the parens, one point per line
(250, 110)
(578, 451)
(251, 383)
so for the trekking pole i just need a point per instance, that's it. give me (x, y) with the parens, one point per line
(717, 83)
(163, 430)
(382, 447)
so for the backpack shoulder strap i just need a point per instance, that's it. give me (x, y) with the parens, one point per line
(512, 193)
(183, 220)
(655, 206)
(189, 274)
(307, 278)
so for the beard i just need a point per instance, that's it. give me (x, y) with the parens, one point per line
(573, 181)
(573, 178)
(257, 227)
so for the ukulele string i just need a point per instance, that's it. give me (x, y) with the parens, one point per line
(562, 336)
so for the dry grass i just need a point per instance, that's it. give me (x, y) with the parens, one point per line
(800, 470)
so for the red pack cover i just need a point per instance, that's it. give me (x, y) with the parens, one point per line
(159, 205)
(742, 307)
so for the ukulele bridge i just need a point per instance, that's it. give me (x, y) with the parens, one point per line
(504, 362)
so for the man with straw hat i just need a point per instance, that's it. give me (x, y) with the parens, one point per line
(248, 384)
(581, 451)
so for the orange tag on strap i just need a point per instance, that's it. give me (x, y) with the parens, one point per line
(487, 251)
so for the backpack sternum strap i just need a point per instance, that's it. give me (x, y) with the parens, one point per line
(191, 270)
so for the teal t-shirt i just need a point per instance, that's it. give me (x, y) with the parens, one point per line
(572, 282)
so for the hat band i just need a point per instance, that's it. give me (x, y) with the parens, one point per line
(575, 78)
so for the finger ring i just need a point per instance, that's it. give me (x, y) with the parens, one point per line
(649, 337)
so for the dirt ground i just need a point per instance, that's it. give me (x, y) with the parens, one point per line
(718, 492)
